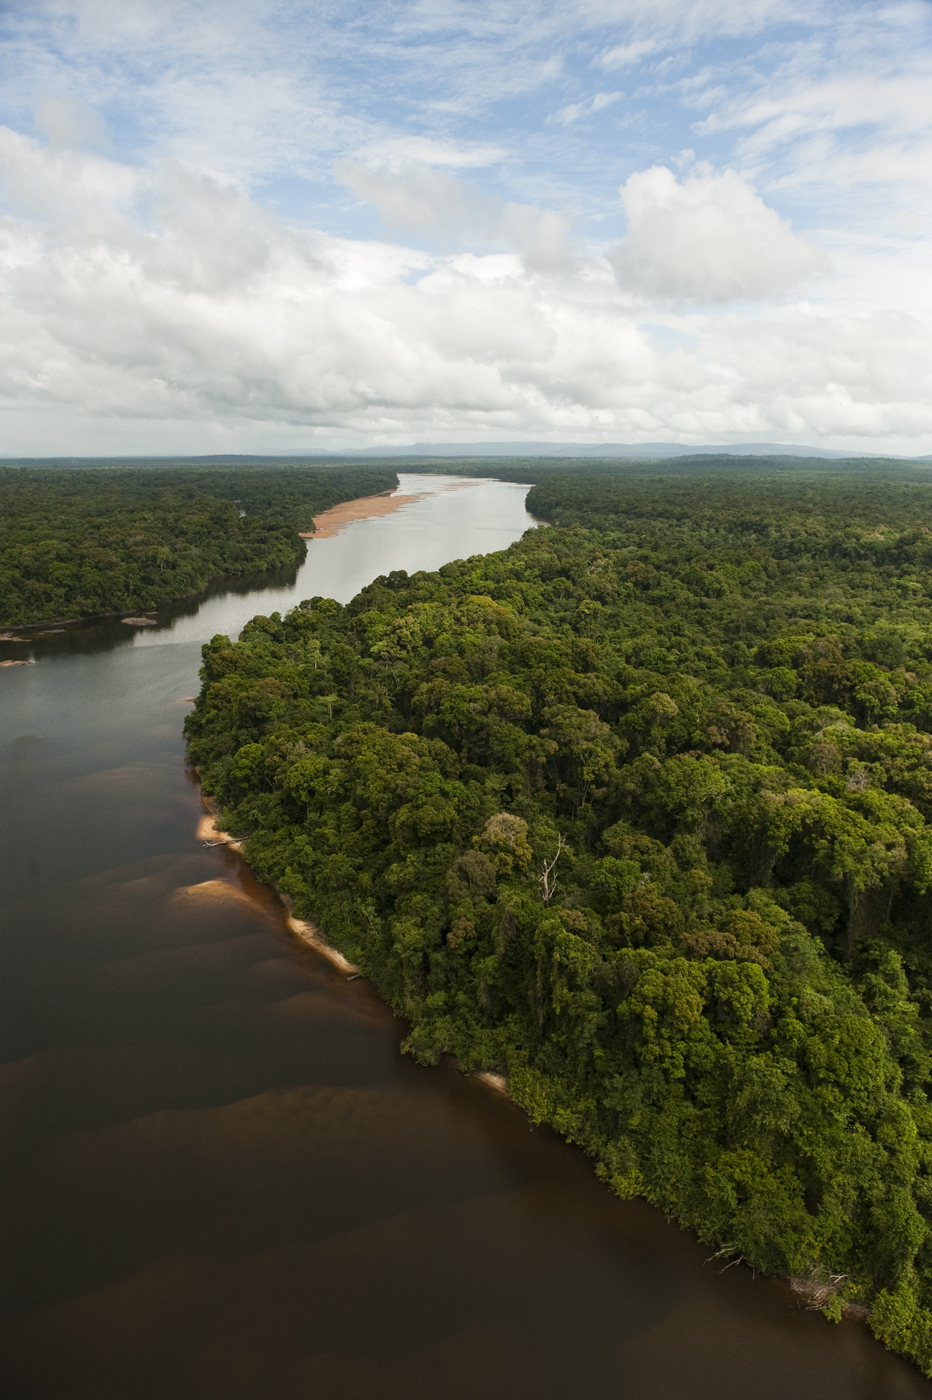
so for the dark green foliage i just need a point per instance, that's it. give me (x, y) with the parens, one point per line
(649, 471)
(637, 812)
(75, 542)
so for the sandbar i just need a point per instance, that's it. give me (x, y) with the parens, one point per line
(495, 1081)
(209, 832)
(331, 521)
(214, 890)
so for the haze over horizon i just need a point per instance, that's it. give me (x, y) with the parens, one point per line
(258, 227)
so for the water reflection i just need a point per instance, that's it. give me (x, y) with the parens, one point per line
(222, 1180)
(455, 519)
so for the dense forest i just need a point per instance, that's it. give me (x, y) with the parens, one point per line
(76, 541)
(705, 465)
(638, 812)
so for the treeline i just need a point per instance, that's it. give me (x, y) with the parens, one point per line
(80, 541)
(639, 813)
(625, 471)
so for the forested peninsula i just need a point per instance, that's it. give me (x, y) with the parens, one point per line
(637, 813)
(79, 541)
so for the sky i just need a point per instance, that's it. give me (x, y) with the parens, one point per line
(248, 226)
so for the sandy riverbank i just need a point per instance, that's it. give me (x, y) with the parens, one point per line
(208, 830)
(331, 522)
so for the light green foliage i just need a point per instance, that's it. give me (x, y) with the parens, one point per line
(702, 707)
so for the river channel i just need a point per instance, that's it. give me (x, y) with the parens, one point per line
(221, 1179)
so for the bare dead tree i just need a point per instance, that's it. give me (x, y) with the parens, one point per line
(547, 884)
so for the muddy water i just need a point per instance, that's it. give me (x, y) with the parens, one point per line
(221, 1178)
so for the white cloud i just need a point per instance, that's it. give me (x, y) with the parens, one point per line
(65, 186)
(841, 118)
(706, 239)
(209, 322)
(66, 122)
(577, 110)
(395, 153)
(693, 20)
(416, 197)
(540, 235)
(625, 55)
(153, 294)
(424, 200)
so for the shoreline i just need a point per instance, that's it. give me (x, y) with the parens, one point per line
(327, 524)
(71, 621)
(331, 522)
(210, 833)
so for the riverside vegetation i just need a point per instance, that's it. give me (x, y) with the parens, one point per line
(79, 541)
(638, 812)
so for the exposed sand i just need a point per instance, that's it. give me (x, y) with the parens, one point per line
(17, 663)
(498, 1082)
(331, 522)
(207, 830)
(311, 934)
(214, 890)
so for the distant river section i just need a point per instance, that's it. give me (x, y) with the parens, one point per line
(221, 1179)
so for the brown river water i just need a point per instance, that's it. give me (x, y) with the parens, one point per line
(221, 1179)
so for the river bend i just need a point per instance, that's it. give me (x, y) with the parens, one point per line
(222, 1181)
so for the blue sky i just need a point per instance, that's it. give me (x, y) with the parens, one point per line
(246, 226)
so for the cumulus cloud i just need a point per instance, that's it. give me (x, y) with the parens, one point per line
(708, 239)
(540, 235)
(65, 186)
(416, 197)
(184, 315)
(169, 290)
(66, 122)
(421, 199)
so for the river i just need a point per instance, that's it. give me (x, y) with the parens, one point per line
(222, 1181)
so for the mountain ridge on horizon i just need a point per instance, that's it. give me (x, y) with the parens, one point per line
(604, 449)
(659, 451)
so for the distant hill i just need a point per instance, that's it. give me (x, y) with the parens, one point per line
(464, 451)
(604, 449)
